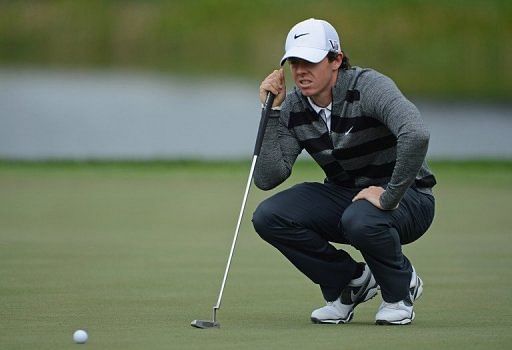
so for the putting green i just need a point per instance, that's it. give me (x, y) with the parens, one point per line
(134, 252)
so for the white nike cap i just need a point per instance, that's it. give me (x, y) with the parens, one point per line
(311, 40)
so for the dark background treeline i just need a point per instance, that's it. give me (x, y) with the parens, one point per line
(439, 49)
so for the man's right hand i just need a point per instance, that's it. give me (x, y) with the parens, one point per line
(275, 84)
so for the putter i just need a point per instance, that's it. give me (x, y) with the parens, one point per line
(205, 324)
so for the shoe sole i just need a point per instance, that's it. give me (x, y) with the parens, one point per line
(334, 321)
(402, 322)
(370, 294)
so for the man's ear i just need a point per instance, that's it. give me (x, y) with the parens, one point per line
(338, 60)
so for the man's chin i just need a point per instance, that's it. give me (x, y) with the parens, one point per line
(306, 91)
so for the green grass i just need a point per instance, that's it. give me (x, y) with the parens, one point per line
(134, 252)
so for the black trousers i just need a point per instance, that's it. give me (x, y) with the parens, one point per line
(302, 221)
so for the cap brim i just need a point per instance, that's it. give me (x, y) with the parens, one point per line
(305, 53)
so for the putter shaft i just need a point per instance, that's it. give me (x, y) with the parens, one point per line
(259, 140)
(233, 244)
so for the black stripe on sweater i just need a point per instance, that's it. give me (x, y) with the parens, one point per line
(332, 169)
(302, 118)
(318, 144)
(427, 181)
(366, 148)
(374, 171)
(342, 125)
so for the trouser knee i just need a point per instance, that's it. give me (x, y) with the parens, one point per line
(357, 228)
(262, 220)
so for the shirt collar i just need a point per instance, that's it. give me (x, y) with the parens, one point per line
(318, 108)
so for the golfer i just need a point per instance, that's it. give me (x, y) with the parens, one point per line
(371, 143)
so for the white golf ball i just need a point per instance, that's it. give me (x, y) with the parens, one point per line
(80, 336)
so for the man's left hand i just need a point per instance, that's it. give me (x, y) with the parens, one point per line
(371, 194)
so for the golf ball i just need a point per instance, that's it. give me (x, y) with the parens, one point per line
(80, 336)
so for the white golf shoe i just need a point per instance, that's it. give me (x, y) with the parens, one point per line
(402, 312)
(395, 313)
(341, 310)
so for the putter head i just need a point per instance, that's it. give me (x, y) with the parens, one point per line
(204, 324)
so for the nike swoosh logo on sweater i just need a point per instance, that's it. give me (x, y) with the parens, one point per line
(349, 130)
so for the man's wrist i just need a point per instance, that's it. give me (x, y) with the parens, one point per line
(276, 108)
(383, 206)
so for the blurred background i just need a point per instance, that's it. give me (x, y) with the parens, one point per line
(143, 80)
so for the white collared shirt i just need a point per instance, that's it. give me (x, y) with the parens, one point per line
(326, 115)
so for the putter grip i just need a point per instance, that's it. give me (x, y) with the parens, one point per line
(263, 122)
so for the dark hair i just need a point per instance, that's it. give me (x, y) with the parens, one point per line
(345, 62)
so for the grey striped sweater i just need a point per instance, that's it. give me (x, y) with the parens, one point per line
(377, 138)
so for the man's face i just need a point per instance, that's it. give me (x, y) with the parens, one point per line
(315, 79)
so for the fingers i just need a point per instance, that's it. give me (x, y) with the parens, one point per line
(360, 195)
(371, 194)
(274, 83)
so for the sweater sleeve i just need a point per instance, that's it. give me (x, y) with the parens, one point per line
(384, 101)
(278, 153)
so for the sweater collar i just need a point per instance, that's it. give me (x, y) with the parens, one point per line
(339, 92)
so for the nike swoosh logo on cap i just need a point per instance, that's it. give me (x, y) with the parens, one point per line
(349, 130)
(299, 35)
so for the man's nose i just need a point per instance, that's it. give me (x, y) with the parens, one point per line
(301, 66)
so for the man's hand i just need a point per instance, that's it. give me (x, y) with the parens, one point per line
(371, 194)
(275, 84)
